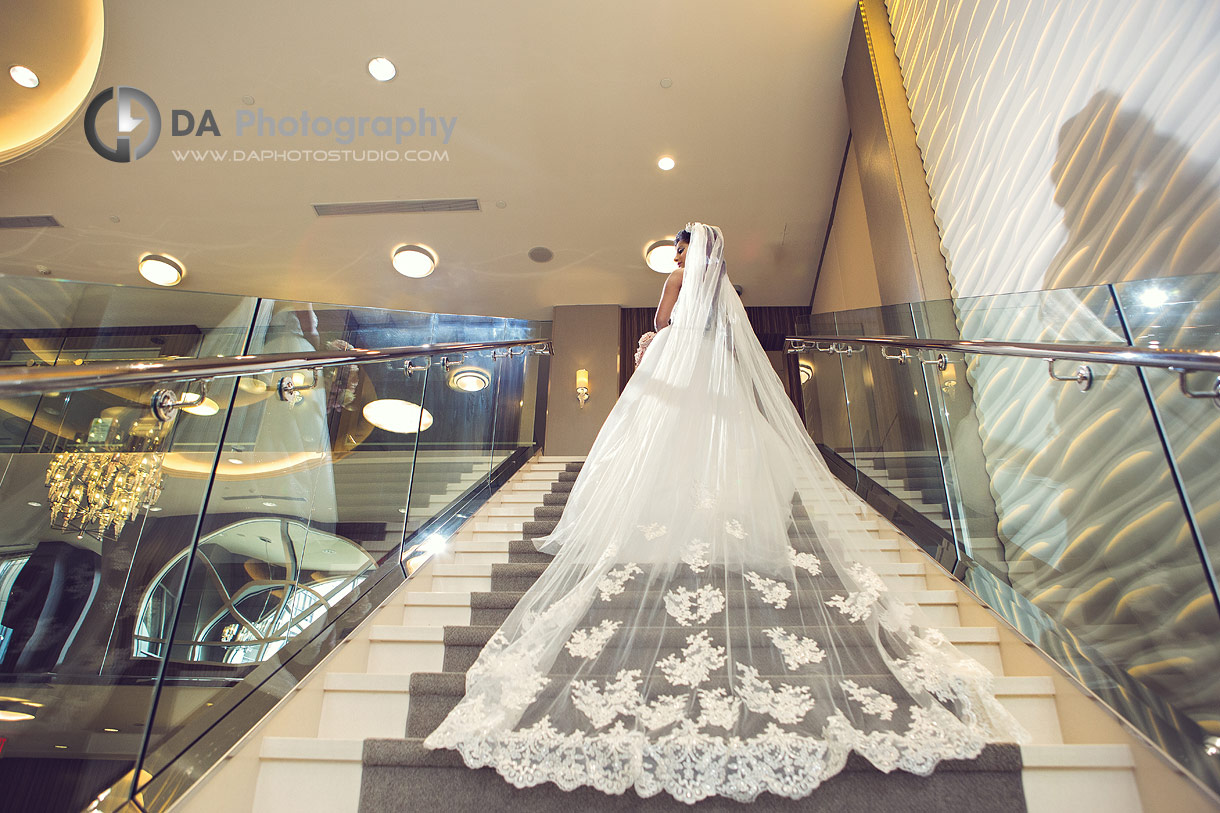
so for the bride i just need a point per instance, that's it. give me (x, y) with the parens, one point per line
(710, 625)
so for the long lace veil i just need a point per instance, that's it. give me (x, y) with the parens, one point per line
(714, 622)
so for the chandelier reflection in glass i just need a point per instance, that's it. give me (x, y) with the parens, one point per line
(99, 489)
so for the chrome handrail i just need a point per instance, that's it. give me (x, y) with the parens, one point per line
(34, 380)
(1193, 360)
(1182, 362)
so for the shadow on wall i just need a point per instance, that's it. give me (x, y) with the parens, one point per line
(1134, 203)
(1089, 514)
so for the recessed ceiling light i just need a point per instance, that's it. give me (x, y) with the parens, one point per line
(806, 372)
(382, 69)
(541, 254)
(156, 508)
(660, 255)
(398, 416)
(23, 76)
(469, 379)
(161, 269)
(269, 504)
(111, 730)
(235, 461)
(666, 163)
(62, 746)
(414, 261)
(15, 716)
(35, 504)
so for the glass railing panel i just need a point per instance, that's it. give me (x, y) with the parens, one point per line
(896, 444)
(1184, 313)
(83, 527)
(824, 394)
(309, 497)
(77, 700)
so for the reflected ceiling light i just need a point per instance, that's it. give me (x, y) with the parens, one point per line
(469, 379)
(414, 261)
(161, 269)
(666, 163)
(382, 69)
(14, 709)
(1153, 297)
(23, 76)
(806, 372)
(398, 416)
(435, 543)
(660, 254)
(199, 405)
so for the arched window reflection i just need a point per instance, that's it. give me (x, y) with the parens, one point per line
(257, 583)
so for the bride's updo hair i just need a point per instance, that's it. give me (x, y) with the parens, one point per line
(683, 237)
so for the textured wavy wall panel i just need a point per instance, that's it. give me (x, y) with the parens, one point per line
(1071, 144)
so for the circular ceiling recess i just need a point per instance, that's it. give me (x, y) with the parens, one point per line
(541, 254)
(61, 42)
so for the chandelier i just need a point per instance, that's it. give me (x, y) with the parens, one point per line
(100, 488)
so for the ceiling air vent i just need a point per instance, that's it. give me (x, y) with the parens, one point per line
(397, 207)
(29, 222)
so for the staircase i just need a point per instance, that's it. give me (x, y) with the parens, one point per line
(401, 674)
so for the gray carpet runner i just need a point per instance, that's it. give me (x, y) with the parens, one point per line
(402, 775)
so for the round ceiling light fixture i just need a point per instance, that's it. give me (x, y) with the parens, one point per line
(393, 415)
(414, 260)
(161, 269)
(666, 163)
(660, 255)
(199, 405)
(23, 76)
(382, 69)
(469, 379)
(806, 372)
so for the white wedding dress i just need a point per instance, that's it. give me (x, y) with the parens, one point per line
(710, 625)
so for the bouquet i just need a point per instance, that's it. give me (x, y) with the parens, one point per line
(645, 340)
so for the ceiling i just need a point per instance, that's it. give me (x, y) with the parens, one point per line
(560, 119)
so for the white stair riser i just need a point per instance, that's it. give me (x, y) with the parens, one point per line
(296, 785)
(479, 558)
(360, 715)
(1038, 713)
(462, 584)
(427, 616)
(1055, 790)
(405, 657)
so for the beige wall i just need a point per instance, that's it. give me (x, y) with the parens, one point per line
(848, 277)
(586, 337)
(902, 227)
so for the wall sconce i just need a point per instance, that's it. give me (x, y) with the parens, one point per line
(582, 387)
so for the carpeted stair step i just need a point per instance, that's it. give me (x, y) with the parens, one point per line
(493, 608)
(402, 775)
(650, 644)
(532, 530)
(562, 487)
(544, 513)
(521, 551)
(555, 499)
(432, 700)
